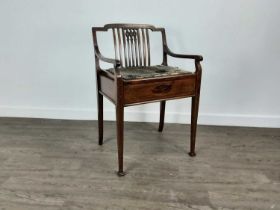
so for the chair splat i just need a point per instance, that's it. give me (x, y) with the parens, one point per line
(132, 46)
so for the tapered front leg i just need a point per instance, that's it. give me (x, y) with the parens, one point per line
(162, 113)
(194, 115)
(195, 107)
(100, 118)
(120, 123)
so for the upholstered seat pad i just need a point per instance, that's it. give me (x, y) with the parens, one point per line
(129, 73)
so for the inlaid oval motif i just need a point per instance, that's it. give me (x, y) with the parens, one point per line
(162, 88)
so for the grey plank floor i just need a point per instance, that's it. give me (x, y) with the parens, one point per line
(57, 165)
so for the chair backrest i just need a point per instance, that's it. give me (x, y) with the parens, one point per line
(132, 43)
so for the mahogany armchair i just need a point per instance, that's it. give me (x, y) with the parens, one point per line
(133, 80)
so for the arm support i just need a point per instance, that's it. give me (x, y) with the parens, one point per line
(195, 57)
(99, 56)
(115, 62)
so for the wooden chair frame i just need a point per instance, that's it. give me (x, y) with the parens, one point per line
(128, 92)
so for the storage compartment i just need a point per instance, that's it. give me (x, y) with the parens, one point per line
(165, 89)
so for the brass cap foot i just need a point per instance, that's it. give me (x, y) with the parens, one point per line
(192, 154)
(121, 173)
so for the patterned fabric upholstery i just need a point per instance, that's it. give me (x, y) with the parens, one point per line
(130, 73)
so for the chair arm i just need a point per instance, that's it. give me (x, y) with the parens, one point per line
(195, 57)
(115, 62)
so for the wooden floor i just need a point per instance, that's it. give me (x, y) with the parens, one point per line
(57, 165)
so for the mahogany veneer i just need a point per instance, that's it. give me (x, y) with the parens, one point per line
(132, 49)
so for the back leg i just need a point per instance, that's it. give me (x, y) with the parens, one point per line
(161, 119)
(100, 118)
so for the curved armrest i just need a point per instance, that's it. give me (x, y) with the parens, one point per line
(195, 57)
(115, 62)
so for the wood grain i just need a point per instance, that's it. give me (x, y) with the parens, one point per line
(158, 90)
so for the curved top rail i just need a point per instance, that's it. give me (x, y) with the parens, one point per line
(129, 25)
